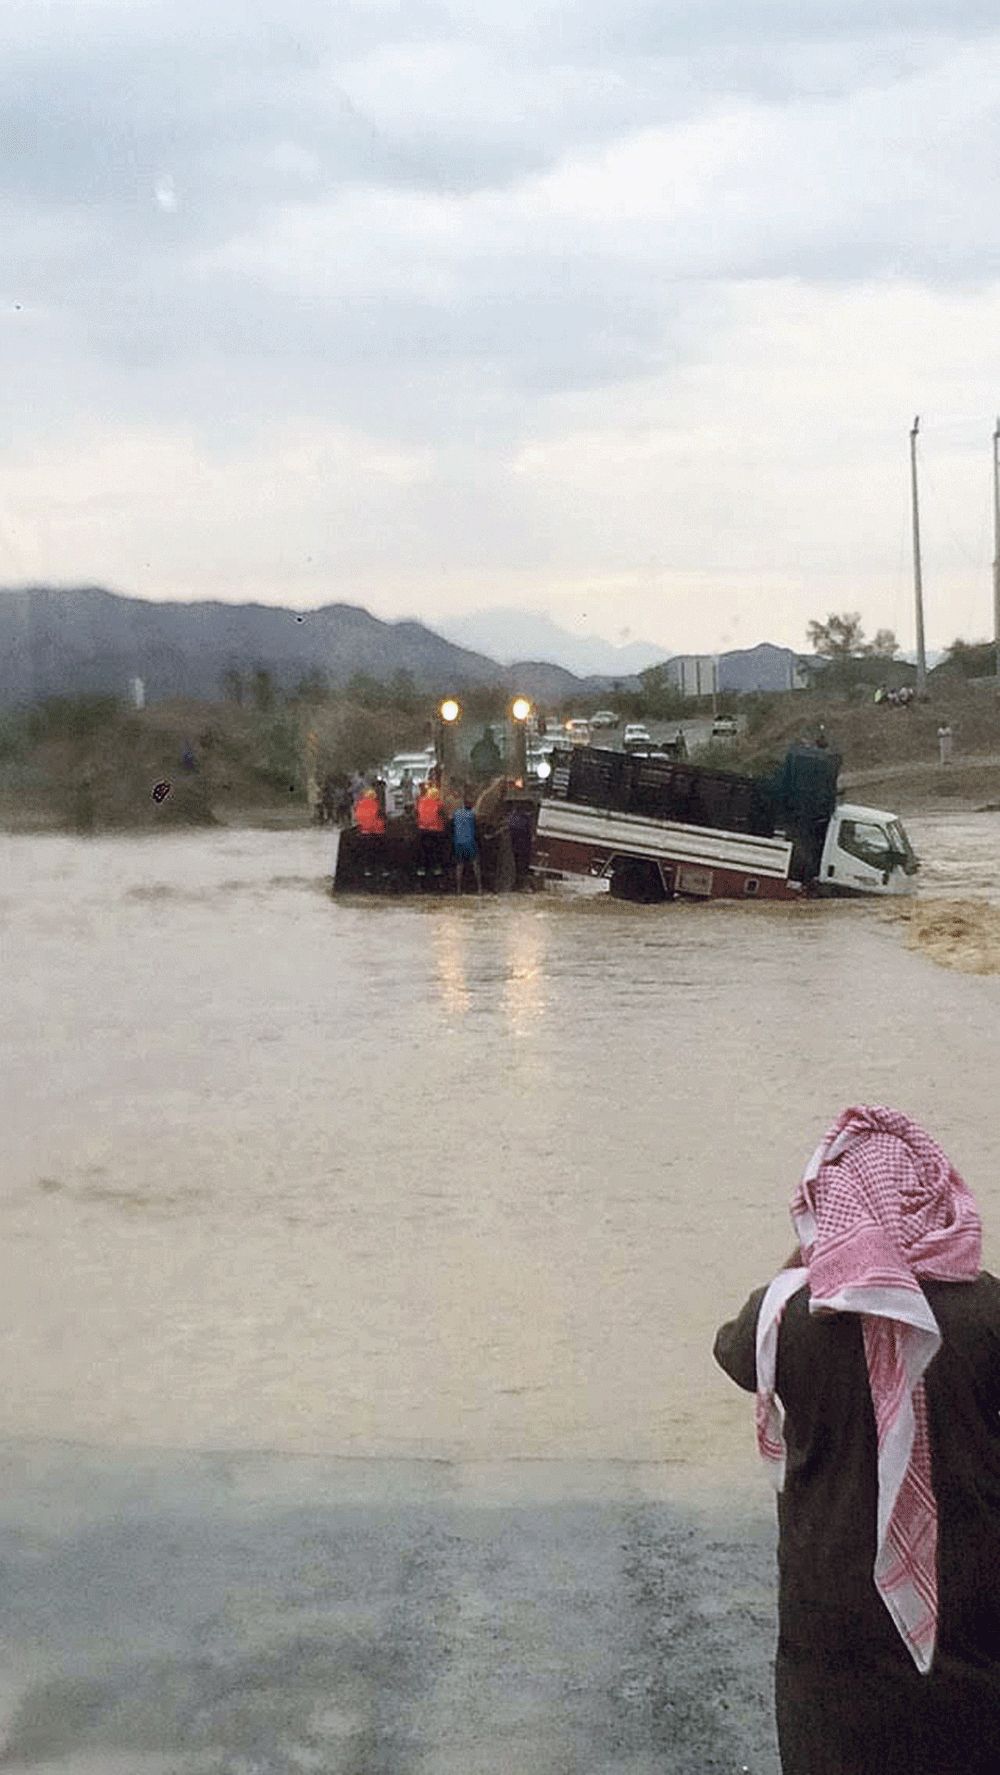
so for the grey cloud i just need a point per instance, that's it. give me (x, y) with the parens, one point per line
(596, 31)
(98, 119)
(247, 115)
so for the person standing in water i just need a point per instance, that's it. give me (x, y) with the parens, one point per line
(431, 834)
(875, 1358)
(463, 828)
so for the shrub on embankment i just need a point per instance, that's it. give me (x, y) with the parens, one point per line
(92, 763)
(87, 764)
(871, 735)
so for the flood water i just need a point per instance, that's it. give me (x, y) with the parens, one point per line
(466, 1180)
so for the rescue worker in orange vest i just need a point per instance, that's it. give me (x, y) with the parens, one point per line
(370, 820)
(368, 816)
(431, 829)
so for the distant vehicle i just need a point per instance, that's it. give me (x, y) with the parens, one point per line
(419, 765)
(605, 718)
(725, 727)
(635, 737)
(578, 731)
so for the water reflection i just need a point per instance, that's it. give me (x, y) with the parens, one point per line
(450, 954)
(524, 995)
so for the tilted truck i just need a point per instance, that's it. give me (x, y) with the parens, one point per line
(653, 828)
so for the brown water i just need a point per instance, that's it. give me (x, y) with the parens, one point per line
(442, 1179)
(959, 854)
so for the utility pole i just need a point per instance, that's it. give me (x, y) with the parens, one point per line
(996, 544)
(918, 588)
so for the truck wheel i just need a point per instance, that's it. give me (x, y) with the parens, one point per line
(636, 878)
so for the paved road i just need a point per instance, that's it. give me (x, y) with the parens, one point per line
(269, 1616)
(697, 732)
(925, 768)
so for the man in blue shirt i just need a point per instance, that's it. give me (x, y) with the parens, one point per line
(463, 835)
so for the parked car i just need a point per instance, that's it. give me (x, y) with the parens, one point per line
(605, 718)
(636, 737)
(725, 727)
(578, 731)
(419, 765)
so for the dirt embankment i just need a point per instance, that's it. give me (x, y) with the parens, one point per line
(893, 754)
(93, 766)
(90, 764)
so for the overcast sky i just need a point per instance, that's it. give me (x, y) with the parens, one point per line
(620, 309)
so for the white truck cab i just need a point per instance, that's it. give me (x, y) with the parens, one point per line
(866, 851)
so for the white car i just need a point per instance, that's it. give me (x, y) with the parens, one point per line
(635, 735)
(419, 765)
(605, 718)
(578, 732)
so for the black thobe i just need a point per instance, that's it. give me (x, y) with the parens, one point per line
(849, 1698)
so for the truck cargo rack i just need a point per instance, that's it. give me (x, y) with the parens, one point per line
(663, 789)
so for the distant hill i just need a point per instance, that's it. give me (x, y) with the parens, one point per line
(764, 667)
(71, 641)
(512, 634)
(551, 685)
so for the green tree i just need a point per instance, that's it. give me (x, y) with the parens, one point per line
(403, 691)
(367, 691)
(970, 659)
(263, 689)
(851, 661)
(884, 646)
(840, 637)
(659, 698)
(313, 686)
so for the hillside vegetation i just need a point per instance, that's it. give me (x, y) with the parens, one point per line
(92, 764)
(894, 747)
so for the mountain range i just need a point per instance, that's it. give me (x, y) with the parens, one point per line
(68, 641)
(512, 635)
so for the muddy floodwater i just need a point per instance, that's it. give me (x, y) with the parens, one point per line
(464, 1180)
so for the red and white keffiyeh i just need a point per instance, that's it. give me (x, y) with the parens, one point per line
(879, 1207)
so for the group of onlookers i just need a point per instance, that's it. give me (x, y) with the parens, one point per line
(443, 838)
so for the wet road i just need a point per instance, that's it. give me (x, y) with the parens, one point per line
(259, 1616)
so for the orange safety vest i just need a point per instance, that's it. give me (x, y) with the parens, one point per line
(430, 814)
(368, 815)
